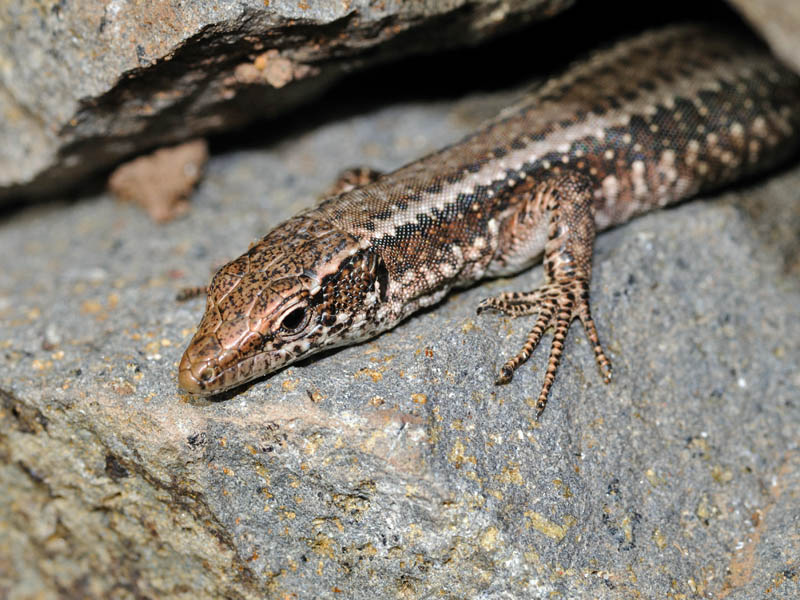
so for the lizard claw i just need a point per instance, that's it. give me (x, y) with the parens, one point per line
(505, 376)
(484, 305)
(557, 304)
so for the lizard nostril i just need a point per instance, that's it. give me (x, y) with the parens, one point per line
(206, 374)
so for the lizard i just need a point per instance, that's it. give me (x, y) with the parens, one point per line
(647, 122)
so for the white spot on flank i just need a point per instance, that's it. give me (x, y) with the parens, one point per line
(610, 189)
(447, 269)
(603, 220)
(667, 165)
(760, 126)
(666, 168)
(638, 179)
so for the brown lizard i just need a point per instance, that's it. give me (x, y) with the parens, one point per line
(646, 123)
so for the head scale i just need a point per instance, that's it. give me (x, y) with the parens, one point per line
(306, 286)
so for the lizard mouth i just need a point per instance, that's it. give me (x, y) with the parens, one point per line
(207, 378)
(208, 368)
(203, 376)
(208, 375)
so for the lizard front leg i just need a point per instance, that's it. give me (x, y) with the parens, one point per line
(350, 179)
(568, 200)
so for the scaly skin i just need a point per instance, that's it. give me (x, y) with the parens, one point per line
(646, 123)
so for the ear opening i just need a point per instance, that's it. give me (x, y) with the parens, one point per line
(382, 278)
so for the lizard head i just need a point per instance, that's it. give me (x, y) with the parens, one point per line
(304, 287)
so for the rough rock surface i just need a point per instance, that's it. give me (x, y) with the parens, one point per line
(84, 84)
(778, 22)
(396, 469)
(161, 182)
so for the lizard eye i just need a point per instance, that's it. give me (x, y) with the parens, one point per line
(295, 320)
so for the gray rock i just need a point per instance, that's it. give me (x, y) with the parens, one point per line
(85, 84)
(778, 22)
(396, 468)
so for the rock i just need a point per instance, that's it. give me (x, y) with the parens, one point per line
(396, 468)
(86, 84)
(778, 22)
(161, 182)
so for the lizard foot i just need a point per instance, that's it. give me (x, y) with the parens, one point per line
(188, 293)
(557, 303)
(352, 178)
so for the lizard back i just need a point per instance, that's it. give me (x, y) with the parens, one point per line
(649, 121)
